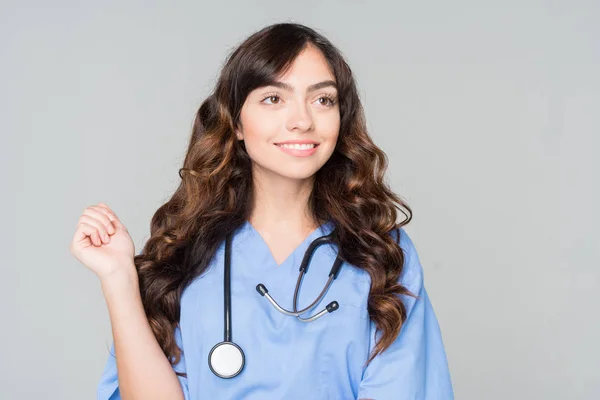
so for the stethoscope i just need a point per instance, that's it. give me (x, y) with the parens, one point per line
(226, 359)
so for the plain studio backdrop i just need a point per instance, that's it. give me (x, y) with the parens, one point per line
(489, 113)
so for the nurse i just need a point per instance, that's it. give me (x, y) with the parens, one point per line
(280, 174)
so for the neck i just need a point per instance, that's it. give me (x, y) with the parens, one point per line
(281, 204)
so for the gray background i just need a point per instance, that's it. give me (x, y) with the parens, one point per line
(488, 111)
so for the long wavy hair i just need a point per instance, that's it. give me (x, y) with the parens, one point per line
(215, 194)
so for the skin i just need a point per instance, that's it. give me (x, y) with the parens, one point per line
(289, 115)
(283, 182)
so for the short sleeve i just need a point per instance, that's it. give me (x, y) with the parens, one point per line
(108, 388)
(415, 366)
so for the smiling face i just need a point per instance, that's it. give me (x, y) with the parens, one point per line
(290, 129)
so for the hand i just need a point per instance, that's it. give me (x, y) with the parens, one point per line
(102, 243)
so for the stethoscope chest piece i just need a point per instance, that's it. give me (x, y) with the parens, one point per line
(226, 359)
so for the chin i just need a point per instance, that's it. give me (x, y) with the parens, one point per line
(288, 171)
(297, 174)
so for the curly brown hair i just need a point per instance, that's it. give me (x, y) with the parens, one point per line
(215, 193)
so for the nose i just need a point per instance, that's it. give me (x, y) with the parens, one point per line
(299, 118)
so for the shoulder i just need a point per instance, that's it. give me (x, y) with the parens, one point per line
(412, 270)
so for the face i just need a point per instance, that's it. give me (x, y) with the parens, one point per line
(290, 130)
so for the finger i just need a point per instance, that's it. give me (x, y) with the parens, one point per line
(82, 236)
(115, 220)
(100, 218)
(104, 216)
(110, 212)
(90, 227)
(96, 224)
(86, 232)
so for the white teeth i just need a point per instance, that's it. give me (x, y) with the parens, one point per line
(297, 146)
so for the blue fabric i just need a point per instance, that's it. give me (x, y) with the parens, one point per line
(290, 359)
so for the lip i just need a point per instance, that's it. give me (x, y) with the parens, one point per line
(298, 142)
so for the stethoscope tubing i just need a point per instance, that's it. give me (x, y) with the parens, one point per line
(227, 291)
(224, 348)
(335, 269)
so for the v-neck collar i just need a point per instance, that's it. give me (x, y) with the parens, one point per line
(256, 238)
(254, 264)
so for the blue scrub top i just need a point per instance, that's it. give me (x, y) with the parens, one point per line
(289, 359)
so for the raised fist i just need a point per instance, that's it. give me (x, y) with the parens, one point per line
(102, 243)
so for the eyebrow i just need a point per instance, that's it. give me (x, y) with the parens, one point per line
(311, 88)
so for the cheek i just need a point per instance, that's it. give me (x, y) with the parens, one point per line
(330, 124)
(258, 129)
(331, 132)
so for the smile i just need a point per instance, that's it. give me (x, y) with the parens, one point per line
(298, 149)
(297, 146)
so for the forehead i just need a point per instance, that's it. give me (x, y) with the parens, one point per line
(308, 67)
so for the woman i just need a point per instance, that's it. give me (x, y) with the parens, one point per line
(279, 156)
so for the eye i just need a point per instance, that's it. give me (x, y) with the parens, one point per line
(272, 97)
(329, 101)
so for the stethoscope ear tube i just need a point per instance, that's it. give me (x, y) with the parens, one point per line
(261, 289)
(334, 272)
(331, 307)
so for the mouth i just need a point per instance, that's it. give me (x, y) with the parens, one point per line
(297, 146)
(295, 149)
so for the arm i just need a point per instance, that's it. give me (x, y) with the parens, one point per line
(414, 367)
(103, 244)
(143, 370)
